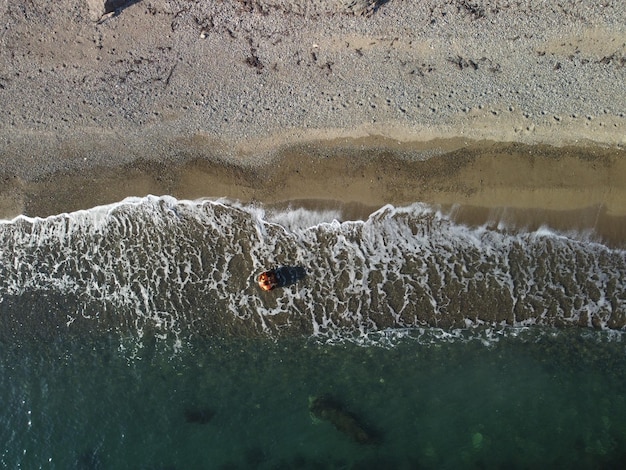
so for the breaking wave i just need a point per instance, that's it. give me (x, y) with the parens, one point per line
(179, 269)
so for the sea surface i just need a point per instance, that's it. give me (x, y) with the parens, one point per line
(134, 335)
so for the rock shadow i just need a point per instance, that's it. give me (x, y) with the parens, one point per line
(281, 276)
(118, 6)
(288, 275)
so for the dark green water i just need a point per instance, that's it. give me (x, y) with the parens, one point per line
(533, 401)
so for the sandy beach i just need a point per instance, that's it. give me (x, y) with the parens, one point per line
(486, 104)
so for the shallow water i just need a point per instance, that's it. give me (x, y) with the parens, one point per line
(134, 336)
(164, 267)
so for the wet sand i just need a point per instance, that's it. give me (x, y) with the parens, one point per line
(567, 188)
(359, 171)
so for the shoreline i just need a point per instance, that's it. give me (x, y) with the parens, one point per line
(567, 188)
(372, 171)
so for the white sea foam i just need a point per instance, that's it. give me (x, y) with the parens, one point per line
(171, 266)
(300, 218)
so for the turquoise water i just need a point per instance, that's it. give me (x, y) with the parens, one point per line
(526, 401)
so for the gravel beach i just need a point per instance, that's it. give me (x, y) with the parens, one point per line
(134, 95)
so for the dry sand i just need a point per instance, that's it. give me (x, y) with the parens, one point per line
(492, 104)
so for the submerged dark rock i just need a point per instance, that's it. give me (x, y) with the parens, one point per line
(328, 409)
(199, 416)
(89, 460)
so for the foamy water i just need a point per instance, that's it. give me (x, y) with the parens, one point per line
(178, 269)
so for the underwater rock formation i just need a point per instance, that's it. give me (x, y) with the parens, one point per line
(199, 416)
(328, 409)
(89, 460)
